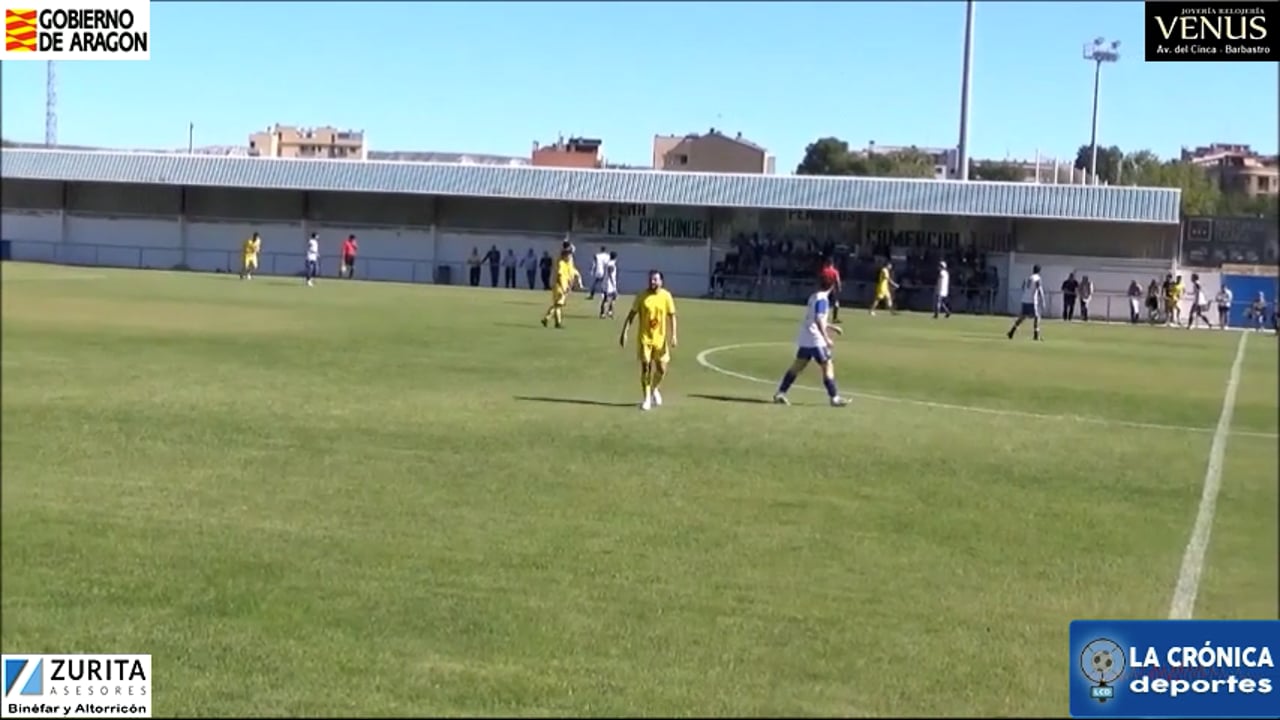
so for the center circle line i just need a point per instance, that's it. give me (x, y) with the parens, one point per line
(703, 359)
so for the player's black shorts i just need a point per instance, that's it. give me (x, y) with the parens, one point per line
(349, 260)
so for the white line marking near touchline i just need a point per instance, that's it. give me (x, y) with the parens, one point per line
(704, 362)
(1184, 593)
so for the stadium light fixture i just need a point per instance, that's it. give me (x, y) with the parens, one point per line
(966, 92)
(1098, 52)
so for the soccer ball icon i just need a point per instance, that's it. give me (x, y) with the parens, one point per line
(1102, 661)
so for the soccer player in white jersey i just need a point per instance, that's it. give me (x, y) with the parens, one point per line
(814, 343)
(313, 259)
(599, 263)
(1199, 304)
(1032, 303)
(940, 304)
(609, 286)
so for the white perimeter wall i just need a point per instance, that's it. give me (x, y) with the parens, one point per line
(395, 254)
(1110, 276)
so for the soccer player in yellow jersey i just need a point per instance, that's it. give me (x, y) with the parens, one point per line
(884, 286)
(655, 338)
(567, 279)
(1175, 299)
(249, 259)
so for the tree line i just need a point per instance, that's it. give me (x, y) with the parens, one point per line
(1143, 168)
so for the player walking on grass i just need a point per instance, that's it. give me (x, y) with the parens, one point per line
(1199, 304)
(566, 280)
(249, 256)
(830, 273)
(814, 344)
(599, 265)
(655, 338)
(313, 259)
(1032, 303)
(884, 288)
(609, 286)
(941, 305)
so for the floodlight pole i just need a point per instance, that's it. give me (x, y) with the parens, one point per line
(966, 91)
(1098, 55)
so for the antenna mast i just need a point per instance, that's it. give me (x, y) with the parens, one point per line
(50, 105)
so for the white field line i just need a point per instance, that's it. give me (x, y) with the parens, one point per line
(704, 361)
(1184, 593)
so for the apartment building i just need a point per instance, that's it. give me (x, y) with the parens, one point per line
(576, 152)
(1236, 168)
(946, 161)
(326, 142)
(712, 152)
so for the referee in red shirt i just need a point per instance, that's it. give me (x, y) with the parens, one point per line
(831, 275)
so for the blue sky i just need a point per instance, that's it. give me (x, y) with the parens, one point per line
(492, 78)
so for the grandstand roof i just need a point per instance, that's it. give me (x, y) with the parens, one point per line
(840, 194)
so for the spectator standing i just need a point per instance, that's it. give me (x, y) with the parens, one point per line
(509, 263)
(1258, 312)
(1223, 300)
(530, 265)
(1086, 295)
(544, 267)
(1070, 287)
(1135, 301)
(473, 267)
(493, 258)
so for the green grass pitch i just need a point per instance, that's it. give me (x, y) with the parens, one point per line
(381, 499)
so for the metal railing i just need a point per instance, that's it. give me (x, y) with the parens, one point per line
(1103, 306)
(853, 293)
(1239, 314)
(292, 264)
(629, 281)
(1119, 307)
